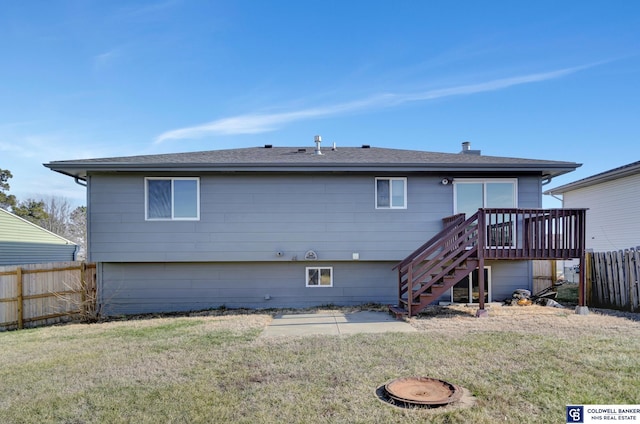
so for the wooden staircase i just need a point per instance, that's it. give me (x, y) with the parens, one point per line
(437, 265)
(490, 233)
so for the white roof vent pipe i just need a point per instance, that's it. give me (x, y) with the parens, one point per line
(317, 139)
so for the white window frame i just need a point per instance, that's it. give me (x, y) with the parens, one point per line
(404, 194)
(172, 179)
(484, 181)
(319, 268)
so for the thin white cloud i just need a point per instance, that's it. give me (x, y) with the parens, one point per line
(39, 148)
(103, 59)
(19, 149)
(260, 123)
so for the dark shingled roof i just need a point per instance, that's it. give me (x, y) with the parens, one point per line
(301, 159)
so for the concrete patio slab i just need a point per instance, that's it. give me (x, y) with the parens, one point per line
(335, 323)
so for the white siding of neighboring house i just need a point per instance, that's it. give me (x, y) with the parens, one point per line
(613, 220)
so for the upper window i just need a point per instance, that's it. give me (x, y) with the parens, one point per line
(391, 193)
(172, 198)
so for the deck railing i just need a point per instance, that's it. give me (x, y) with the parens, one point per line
(532, 233)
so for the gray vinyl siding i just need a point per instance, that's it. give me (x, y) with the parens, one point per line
(506, 276)
(16, 253)
(529, 192)
(230, 256)
(252, 217)
(133, 288)
(130, 288)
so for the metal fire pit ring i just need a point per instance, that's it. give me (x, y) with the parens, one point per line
(424, 391)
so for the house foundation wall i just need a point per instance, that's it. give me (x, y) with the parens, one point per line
(134, 288)
(137, 288)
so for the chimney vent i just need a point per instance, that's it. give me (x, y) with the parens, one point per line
(466, 149)
(317, 139)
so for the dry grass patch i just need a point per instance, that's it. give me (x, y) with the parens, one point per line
(522, 364)
(527, 320)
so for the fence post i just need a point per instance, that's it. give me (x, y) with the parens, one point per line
(20, 298)
(588, 277)
(629, 262)
(83, 288)
(635, 277)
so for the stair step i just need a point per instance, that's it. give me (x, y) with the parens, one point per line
(397, 312)
(406, 302)
(424, 294)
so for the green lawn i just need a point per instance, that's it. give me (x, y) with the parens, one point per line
(523, 364)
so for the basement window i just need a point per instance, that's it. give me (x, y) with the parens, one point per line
(172, 199)
(319, 276)
(391, 193)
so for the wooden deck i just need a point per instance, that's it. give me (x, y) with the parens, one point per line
(496, 234)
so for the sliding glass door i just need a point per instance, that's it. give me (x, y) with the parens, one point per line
(467, 290)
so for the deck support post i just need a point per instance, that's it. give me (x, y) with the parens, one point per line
(582, 308)
(481, 312)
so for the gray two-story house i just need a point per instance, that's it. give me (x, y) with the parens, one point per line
(269, 227)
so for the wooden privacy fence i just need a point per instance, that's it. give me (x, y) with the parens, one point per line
(44, 294)
(544, 274)
(615, 279)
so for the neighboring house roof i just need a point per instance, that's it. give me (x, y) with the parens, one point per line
(22, 242)
(305, 159)
(16, 229)
(613, 174)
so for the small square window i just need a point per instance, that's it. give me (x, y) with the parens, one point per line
(319, 276)
(391, 193)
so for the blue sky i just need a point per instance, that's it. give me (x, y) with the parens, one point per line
(556, 80)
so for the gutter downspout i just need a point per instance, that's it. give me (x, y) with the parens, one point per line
(77, 180)
(556, 197)
(547, 181)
